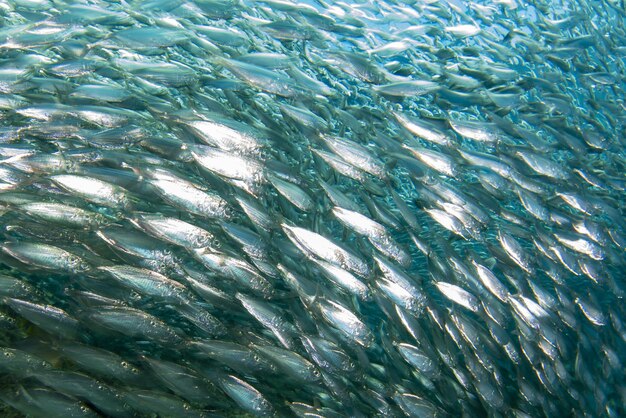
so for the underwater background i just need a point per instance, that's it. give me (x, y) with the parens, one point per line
(312, 208)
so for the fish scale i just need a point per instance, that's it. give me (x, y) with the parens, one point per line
(282, 208)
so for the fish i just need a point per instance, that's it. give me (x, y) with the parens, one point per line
(188, 196)
(184, 382)
(321, 208)
(133, 323)
(95, 190)
(78, 385)
(174, 231)
(45, 256)
(47, 317)
(291, 364)
(320, 247)
(40, 400)
(100, 363)
(147, 282)
(346, 322)
(246, 396)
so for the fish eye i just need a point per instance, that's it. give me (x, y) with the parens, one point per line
(124, 364)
